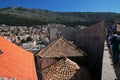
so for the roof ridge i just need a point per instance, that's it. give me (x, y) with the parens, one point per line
(58, 46)
(55, 43)
(48, 47)
(72, 44)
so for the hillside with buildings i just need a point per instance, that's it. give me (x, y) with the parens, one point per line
(27, 16)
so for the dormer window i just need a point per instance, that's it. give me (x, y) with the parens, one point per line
(1, 52)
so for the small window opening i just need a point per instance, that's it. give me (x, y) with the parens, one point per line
(1, 52)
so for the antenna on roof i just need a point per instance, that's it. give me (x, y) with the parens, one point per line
(61, 35)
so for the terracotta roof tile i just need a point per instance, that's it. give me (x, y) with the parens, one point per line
(15, 62)
(65, 69)
(60, 48)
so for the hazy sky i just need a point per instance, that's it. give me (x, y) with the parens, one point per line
(66, 5)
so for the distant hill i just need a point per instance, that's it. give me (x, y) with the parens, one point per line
(26, 16)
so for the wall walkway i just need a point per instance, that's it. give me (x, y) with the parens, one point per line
(108, 71)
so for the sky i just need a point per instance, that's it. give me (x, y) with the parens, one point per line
(66, 5)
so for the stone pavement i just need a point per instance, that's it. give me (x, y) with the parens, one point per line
(108, 71)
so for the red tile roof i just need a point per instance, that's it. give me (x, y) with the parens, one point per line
(65, 69)
(60, 48)
(15, 62)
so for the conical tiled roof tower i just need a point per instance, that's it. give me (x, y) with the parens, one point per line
(54, 64)
(65, 69)
(15, 62)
